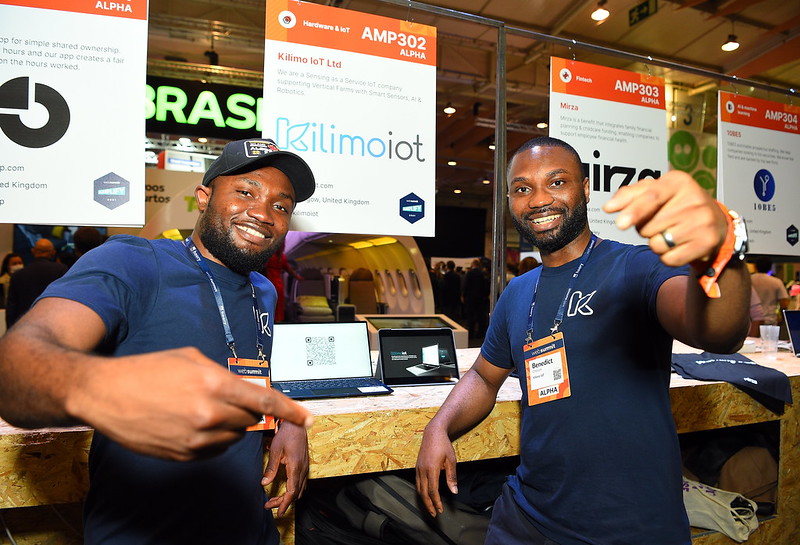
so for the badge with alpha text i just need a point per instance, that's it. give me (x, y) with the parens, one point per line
(255, 372)
(546, 374)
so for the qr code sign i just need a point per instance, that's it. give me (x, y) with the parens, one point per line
(320, 351)
(557, 374)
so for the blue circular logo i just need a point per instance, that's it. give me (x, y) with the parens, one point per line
(764, 185)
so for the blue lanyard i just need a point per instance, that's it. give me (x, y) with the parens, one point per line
(198, 257)
(560, 314)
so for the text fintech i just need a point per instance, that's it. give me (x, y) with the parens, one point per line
(323, 138)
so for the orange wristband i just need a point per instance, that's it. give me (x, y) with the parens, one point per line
(709, 272)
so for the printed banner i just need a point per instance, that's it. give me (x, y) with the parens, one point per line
(616, 120)
(354, 94)
(71, 125)
(695, 153)
(759, 153)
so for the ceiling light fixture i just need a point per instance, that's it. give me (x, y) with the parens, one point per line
(491, 145)
(541, 125)
(451, 163)
(732, 44)
(457, 191)
(601, 13)
(449, 110)
(486, 181)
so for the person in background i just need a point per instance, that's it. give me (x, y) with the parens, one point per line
(11, 263)
(794, 294)
(476, 299)
(28, 283)
(756, 314)
(527, 264)
(771, 291)
(590, 335)
(85, 239)
(512, 271)
(138, 341)
(451, 291)
(274, 272)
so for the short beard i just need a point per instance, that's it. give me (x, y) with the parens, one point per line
(219, 242)
(573, 225)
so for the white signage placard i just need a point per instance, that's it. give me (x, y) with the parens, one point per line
(71, 100)
(616, 121)
(759, 157)
(354, 94)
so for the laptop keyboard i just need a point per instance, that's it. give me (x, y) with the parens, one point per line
(323, 384)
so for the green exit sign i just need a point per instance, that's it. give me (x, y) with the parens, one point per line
(642, 11)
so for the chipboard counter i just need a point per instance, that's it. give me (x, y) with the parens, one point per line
(47, 467)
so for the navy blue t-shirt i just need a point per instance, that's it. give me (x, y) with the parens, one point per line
(152, 295)
(603, 465)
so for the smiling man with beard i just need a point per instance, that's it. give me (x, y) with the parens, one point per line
(590, 335)
(136, 341)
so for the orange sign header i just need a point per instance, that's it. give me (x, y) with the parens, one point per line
(757, 112)
(345, 30)
(129, 9)
(593, 81)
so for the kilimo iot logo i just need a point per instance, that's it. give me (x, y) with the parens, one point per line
(326, 138)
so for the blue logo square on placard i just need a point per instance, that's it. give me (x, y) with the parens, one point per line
(112, 190)
(412, 208)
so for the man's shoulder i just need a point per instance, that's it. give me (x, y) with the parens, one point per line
(122, 245)
(133, 240)
(136, 255)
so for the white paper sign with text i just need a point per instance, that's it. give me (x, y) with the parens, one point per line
(616, 121)
(72, 75)
(759, 158)
(354, 94)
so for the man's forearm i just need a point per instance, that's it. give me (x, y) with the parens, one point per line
(35, 380)
(470, 401)
(720, 325)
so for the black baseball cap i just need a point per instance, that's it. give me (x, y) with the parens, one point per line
(243, 156)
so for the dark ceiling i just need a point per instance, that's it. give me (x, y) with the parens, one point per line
(687, 32)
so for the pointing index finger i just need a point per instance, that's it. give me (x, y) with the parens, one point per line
(257, 400)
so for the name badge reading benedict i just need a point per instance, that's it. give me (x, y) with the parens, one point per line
(256, 372)
(546, 373)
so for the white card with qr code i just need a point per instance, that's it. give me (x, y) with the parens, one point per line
(320, 351)
(546, 371)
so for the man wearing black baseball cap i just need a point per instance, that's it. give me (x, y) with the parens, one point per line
(138, 341)
(248, 155)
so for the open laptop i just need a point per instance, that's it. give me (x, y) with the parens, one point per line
(417, 356)
(792, 319)
(323, 360)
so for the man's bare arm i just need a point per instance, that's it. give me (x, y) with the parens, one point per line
(174, 404)
(468, 403)
(675, 204)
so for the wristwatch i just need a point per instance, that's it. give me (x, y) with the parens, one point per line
(735, 244)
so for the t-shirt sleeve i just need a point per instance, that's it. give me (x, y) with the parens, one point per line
(112, 280)
(496, 348)
(645, 269)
